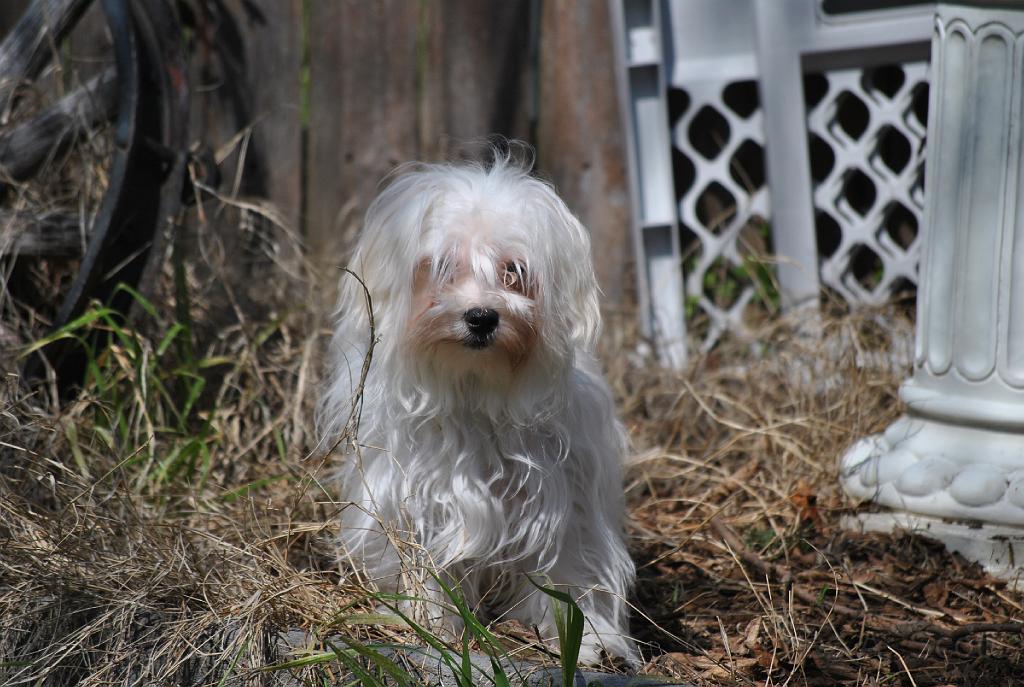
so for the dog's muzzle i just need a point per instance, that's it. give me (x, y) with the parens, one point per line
(482, 323)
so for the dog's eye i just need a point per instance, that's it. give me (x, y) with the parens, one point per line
(513, 276)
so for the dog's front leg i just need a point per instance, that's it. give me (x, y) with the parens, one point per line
(604, 614)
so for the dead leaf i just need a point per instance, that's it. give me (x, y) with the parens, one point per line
(806, 501)
(936, 594)
(752, 636)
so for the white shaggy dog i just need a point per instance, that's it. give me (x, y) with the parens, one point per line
(488, 448)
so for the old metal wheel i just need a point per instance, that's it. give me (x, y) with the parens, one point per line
(142, 99)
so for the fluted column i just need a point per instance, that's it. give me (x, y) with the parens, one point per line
(953, 466)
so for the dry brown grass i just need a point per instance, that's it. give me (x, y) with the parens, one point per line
(119, 565)
(745, 576)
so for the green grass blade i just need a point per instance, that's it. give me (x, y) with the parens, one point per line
(366, 679)
(207, 463)
(234, 662)
(443, 649)
(67, 331)
(489, 643)
(369, 619)
(138, 298)
(128, 338)
(215, 360)
(388, 666)
(345, 656)
(282, 452)
(195, 389)
(302, 662)
(500, 677)
(71, 435)
(465, 676)
(478, 630)
(266, 331)
(570, 622)
(169, 337)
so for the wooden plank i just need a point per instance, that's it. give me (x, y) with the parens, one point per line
(362, 114)
(246, 105)
(379, 98)
(477, 73)
(398, 81)
(580, 135)
(272, 31)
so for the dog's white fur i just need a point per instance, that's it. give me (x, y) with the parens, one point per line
(487, 457)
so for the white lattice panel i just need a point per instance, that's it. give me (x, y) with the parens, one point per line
(846, 173)
(870, 124)
(724, 206)
(866, 127)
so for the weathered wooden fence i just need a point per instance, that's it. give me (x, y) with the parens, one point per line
(338, 92)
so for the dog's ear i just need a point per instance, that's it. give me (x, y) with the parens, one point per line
(384, 261)
(389, 244)
(380, 275)
(387, 253)
(572, 293)
(584, 308)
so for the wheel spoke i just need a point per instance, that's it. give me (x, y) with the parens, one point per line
(31, 43)
(27, 145)
(29, 233)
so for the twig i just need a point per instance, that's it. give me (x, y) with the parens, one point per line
(906, 669)
(928, 612)
(351, 427)
(975, 628)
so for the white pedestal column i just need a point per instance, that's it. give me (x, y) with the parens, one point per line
(953, 466)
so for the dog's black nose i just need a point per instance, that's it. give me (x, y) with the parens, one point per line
(481, 321)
